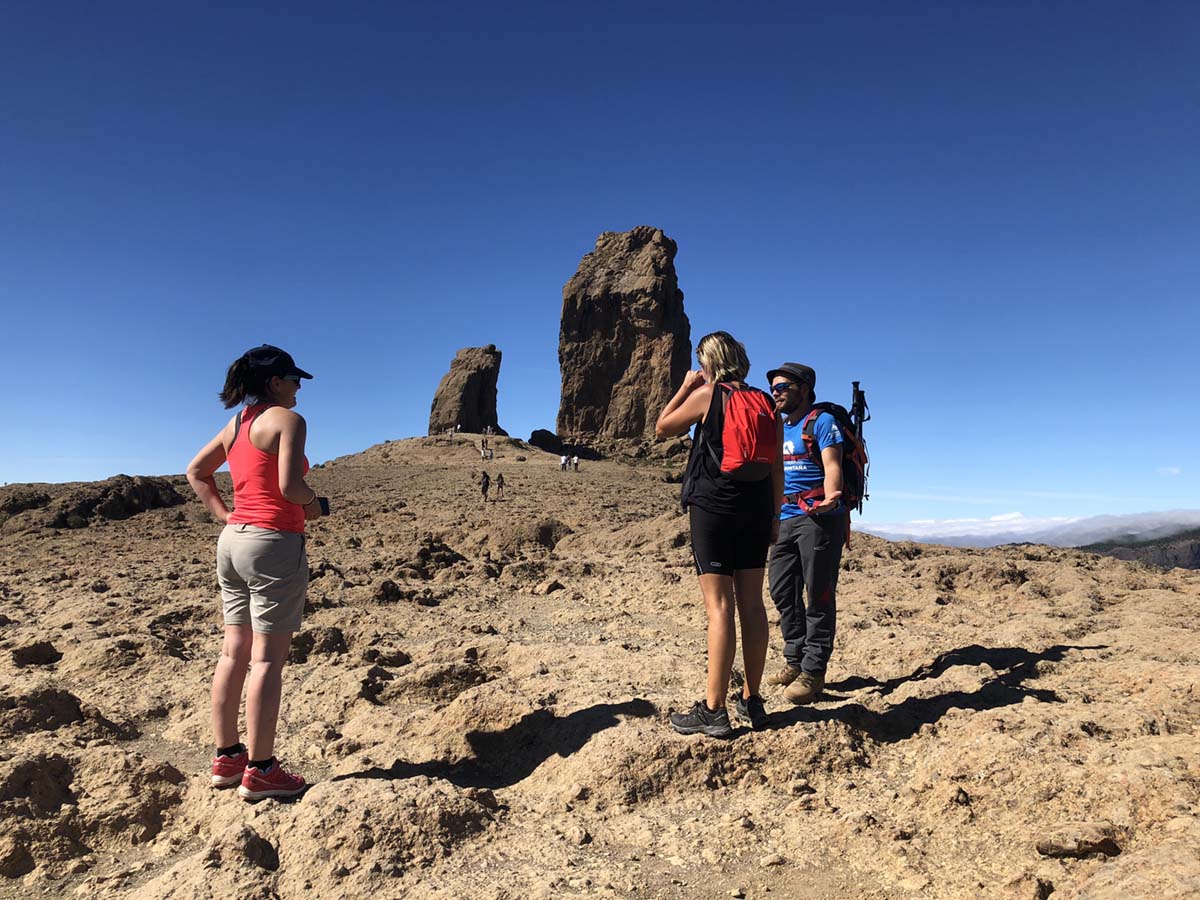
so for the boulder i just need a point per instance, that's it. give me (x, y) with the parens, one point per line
(1079, 839)
(466, 396)
(546, 440)
(624, 341)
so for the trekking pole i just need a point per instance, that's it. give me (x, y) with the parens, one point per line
(859, 411)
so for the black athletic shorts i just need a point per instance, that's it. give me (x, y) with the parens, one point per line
(722, 544)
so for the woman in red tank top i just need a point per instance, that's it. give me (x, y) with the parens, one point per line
(262, 566)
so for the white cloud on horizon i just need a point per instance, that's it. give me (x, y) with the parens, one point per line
(997, 529)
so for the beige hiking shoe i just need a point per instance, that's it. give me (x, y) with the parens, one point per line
(805, 689)
(783, 677)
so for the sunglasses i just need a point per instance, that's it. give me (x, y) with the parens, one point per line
(781, 387)
(295, 379)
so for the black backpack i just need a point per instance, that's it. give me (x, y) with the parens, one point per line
(856, 463)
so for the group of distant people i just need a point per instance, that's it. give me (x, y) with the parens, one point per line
(485, 484)
(790, 509)
(488, 430)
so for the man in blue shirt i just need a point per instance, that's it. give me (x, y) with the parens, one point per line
(812, 530)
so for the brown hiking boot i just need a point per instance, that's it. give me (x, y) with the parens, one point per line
(805, 689)
(783, 677)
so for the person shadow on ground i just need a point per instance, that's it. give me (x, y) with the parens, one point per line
(503, 758)
(1014, 665)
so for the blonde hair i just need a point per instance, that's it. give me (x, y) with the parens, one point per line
(723, 357)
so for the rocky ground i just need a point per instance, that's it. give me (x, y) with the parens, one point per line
(480, 698)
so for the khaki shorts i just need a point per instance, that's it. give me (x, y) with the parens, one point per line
(263, 576)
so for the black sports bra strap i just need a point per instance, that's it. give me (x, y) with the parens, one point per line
(237, 422)
(237, 426)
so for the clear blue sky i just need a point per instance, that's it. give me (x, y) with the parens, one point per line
(988, 214)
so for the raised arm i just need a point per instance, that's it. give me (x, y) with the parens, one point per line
(686, 408)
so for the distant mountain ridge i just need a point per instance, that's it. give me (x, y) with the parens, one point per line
(1123, 530)
(1178, 551)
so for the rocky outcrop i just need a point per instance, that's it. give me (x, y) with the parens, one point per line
(625, 341)
(466, 396)
(24, 507)
(118, 497)
(546, 440)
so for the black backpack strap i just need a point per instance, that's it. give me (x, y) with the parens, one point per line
(708, 447)
(724, 394)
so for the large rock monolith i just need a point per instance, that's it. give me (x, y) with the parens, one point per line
(625, 341)
(466, 396)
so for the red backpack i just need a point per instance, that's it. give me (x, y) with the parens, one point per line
(749, 435)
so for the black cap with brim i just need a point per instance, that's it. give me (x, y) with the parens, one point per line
(796, 372)
(274, 361)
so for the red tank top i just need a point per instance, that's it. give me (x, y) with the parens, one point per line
(257, 499)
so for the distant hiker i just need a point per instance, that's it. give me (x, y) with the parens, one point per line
(458, 427)
(262, 567)
(808, 549)
(575, 463)
(562, 463)
(500, 486)
(732, 489)
(484, 483)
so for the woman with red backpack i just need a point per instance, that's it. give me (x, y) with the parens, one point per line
(732, 489)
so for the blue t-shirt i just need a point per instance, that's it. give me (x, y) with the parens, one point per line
(800, 473)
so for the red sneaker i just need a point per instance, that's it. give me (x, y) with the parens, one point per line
(228, 770)
(272, 783)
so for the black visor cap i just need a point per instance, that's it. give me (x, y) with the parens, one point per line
(274, 361)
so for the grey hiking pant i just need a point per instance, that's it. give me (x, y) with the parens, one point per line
(806, 560)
